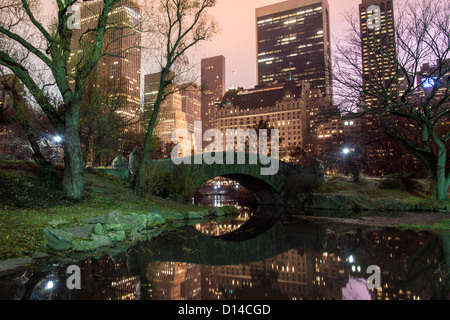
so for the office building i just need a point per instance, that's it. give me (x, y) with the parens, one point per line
(213, 88)
(293, 43)
(171, 116)
(122, 64)
(288, 107)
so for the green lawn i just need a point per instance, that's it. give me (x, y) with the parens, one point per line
(28, 204)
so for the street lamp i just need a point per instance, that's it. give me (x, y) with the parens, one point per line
(57, 140)
(346, 151)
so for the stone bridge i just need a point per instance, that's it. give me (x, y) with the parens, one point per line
(275, 189)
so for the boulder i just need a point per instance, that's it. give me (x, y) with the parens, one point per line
(97, 241)
(192, 215)
(116, 221)
(81, 232)
(173, 216)
(98, 229)
(116, 236)
(154, 220)
(58, 239)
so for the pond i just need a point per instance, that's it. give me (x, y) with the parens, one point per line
(263, 253)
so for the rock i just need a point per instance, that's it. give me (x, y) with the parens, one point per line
(14, 263)
(115, 226)
(98, 241)
(81, 232)
(154, 220)
(83, 245)
(98, 229)
(219, 212)
(136, 236)
(327, 202)
(155, 211)
(203, 213)
(173, 216)
(39, 255)
(101, 241)
(116, 236)
(57, 239)
(116, 221)
(191, 215)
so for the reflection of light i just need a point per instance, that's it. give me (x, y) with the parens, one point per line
(351, 259)
(49, 285)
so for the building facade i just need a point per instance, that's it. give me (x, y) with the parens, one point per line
(213, 89)
(288, 107)
(293, 43)
(171, 116)
(122, 64)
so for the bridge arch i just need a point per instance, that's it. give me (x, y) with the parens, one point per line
(189, 174)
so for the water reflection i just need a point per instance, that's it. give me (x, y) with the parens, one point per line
(308, 261)
(222, 192)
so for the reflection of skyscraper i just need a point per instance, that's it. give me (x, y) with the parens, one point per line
(174, 281)
(213, 88)
(293, 43)
(123, 59)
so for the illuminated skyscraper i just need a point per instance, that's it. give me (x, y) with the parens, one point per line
(122, 62)
(293, 43)
(213, 88)
(378, 47)
(171, 116)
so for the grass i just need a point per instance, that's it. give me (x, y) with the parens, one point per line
(372, 191)
(442, 226)
(28, 204)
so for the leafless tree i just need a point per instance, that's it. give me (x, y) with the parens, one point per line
(179, 25)
(29, 47)
(391, 90)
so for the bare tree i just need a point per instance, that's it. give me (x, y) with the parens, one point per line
(392, 91)
(180, 25)
(26, 41)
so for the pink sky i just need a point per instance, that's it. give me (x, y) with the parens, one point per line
(237, 39)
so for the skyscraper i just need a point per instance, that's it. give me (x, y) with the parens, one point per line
(213, 88)
(378, 47)
(171, 116)
(293, 43)
(122, 62)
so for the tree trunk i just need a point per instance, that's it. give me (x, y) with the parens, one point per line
(140, 174)
(73, 182)
(440, 192)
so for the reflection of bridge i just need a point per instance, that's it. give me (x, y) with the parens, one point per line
(190, 245)
(267, 189)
